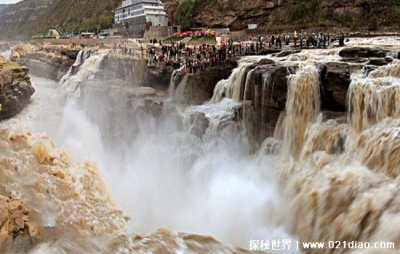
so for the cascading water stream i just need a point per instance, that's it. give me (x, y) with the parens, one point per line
(88, 65)
(173, 82)
(232, 87)
(375, 97)
(302, 107)
(7, 53)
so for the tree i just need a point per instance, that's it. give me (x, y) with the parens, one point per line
(184, 13)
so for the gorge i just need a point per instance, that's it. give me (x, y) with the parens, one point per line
(300, 146)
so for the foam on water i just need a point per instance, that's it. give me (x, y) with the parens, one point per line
(7, 53)
(70, 83)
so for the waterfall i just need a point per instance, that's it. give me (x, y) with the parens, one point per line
(379, 147)
(302, 107)
(267, 115)
(236, 91)
(82, 56)
(173, 82)
(224, 108)
(249, 116)
(391, 70)
(375, 97)
(218, 116)
(221, 88)
(232, 87)
(85, 68)
(328, 136)
(313, 175)
(78, 60)
(342, 185)
(247, 86)
(324, 149)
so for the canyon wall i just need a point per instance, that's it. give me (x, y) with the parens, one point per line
(283, 14)
(31, 17)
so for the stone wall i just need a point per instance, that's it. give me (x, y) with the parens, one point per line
(159, 32)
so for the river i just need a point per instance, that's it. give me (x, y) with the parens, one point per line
(163, 176)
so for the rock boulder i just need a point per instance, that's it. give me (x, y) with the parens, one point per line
(15, 88)
(380, 61)
(266, 94)
(287, 53)
(335, 81)
(269, 51)
(360, 52)
(198, 88)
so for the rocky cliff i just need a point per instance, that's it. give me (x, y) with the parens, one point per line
(30, 17)
(15, 88)
(197, 88)
(281, 14)
(24, 18)
(3, 6)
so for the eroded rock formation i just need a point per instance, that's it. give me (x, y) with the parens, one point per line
(15, 88)
(266, 89)
(362, 52)
(49, 61)
(335, 80)
(17, 233)
(199, 87)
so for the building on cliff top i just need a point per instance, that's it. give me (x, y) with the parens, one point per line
(134, 17)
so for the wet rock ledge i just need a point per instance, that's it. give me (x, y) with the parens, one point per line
(15, 88)
(48, 61)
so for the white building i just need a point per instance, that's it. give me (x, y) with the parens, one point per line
(135, 15)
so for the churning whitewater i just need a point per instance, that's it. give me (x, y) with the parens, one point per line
(159, 173)
(231, 169)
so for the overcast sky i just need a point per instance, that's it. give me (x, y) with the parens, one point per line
(9, 1)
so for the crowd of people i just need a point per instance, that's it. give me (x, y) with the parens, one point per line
(193, 58)
(303, 39)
